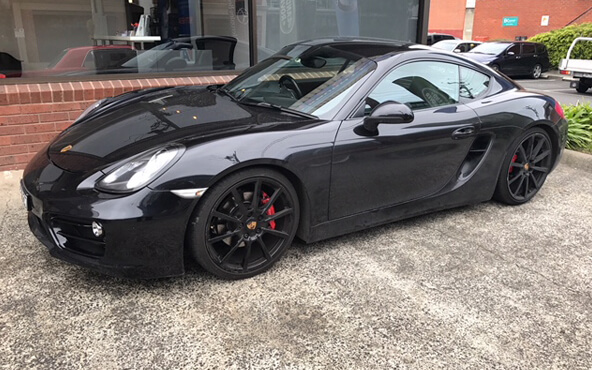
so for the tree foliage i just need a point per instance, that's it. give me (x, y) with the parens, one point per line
(559, 41)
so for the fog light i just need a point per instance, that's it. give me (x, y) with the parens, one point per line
(97, 229)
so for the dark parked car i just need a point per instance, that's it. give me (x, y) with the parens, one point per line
(196, 53)
(437, 37)
(513, 58)
(324, 138)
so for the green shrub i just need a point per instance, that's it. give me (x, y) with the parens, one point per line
(559, 41)
(579, 134)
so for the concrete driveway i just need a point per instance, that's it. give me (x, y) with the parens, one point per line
(487, 286)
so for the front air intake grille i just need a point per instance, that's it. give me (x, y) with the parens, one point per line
(77, 237)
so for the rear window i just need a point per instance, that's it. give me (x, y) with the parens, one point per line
(540, 49)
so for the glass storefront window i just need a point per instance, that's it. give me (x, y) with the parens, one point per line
(71, 38)
(88, 37)
(281, 22)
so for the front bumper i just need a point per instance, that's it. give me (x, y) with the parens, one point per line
(144, 232)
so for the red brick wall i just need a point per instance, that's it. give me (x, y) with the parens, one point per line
(32, 114)
(447, 16)
(489, 15)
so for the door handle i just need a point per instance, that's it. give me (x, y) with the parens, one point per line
(463, 132)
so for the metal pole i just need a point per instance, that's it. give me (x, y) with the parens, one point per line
(252, 9)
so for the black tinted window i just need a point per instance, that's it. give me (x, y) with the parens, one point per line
(514, 49)
(528, 49)
(540, 49)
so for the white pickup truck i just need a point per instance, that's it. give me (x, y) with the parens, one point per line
(579, 70)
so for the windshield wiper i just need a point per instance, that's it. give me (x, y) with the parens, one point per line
(227, 93)
(279, 107)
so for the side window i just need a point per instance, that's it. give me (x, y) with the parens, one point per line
(514, 49)
(528, 49)
(419, 85)
(540, 49)
(472, 83)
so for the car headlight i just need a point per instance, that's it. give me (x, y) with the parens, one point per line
(140, 170)
(92, 107)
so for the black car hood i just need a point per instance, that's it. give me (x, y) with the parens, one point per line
(137, 122)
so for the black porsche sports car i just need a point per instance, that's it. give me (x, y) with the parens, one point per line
(324, 138)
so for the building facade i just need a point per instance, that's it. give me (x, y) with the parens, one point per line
(447, 16)
(514, 20)
(489, 20)
(56, 58)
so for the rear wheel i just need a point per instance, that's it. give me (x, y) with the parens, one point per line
(244, 223)
(525, 168)
(537, 71)
(581, 87)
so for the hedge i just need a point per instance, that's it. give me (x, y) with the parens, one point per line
(579, 134)
(559, 41)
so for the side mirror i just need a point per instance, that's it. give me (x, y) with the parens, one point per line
(457, 50)
(511, 53)
(389, 112)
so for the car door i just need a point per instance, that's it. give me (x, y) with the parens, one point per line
(511, 60)
(407, 161)
(528, 58)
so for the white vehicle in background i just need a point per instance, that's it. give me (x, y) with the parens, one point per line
(457, 46)
(579, 70)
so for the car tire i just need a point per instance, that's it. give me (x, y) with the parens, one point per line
(537, 71)
(525, 167)
(581, 88)
(235, 239)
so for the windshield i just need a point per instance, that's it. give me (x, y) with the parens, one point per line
(490, 48)
(56, 60)
(150, 58)
(446, 45)
(310, 80)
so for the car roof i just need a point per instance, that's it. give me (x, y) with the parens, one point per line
(364, 46)
(452, 41)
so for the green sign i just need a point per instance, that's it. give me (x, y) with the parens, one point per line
(510, 21)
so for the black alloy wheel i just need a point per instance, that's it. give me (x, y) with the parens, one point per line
(525, 168)
(245, 223)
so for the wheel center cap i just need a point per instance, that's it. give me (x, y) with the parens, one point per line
(252, 225)
(527, 166)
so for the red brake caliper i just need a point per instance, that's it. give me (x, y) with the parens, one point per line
(514, 159)
(270, 211)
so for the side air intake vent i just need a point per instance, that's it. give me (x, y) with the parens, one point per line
(474, 157)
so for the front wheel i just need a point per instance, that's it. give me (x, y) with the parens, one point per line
(244, 223)
(525, 168)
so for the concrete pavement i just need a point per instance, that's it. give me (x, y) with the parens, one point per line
(553, 85)
(487, 286)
